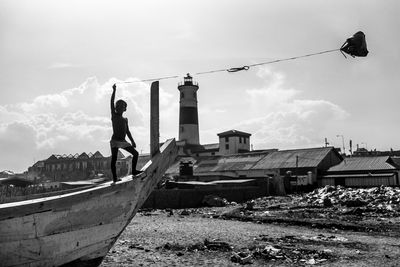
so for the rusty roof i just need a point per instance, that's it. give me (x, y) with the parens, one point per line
(269, 159)
(237, 162)
(308, 157)
(363, 164)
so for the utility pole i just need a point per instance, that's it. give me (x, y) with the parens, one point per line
(339, 135)
(351, 147)
(326, 142)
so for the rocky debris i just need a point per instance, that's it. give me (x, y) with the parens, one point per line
(214, 201)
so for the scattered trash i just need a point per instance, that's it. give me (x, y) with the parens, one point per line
(214, 201)
(250, 205)
(242, 258)
(136, 246)
(185, 213)
(206, 245)
(170, 212)
(217, 245)
(383, 198)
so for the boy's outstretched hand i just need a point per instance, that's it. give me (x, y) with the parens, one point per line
(114, 86)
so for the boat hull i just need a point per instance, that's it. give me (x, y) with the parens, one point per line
(78, 227)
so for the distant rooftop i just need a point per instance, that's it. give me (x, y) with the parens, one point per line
(364, 164)
(307, 157)
(233, 133)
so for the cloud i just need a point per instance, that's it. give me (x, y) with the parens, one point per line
(74, 120)
(185, 32)
(281, 119)
(16, 143)
(62, 65)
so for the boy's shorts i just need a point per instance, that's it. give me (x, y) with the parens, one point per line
(119, 144)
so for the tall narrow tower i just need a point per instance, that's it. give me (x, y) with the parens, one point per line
(188, 115)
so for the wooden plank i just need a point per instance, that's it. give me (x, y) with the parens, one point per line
(154, 119)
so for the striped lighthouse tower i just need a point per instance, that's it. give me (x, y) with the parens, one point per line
(188, 115)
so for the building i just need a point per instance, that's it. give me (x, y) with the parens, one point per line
(303, 166)
(301, 162)
(233, 141)
(363, 172)
(77, 167)
(232, 157)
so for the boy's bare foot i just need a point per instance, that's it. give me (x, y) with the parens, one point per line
(117, 180)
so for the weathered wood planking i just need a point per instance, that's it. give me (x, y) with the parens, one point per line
(81, 225)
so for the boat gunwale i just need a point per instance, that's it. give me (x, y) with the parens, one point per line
(5, 207)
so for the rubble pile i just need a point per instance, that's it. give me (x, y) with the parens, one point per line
(376, 198)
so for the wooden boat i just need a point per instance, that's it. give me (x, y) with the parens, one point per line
(79, 228)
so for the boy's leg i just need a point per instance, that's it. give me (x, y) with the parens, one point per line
(114, 154)
(135, 157)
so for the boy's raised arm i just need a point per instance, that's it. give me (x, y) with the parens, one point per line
(112, 99)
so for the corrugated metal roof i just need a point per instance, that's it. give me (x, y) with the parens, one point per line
(235, 162)
(396, 160)
(363, 164)
(310, 157)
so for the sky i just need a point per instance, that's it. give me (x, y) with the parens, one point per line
(59, 60)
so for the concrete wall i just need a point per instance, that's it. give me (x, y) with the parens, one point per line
(236, 143)
(192, 198)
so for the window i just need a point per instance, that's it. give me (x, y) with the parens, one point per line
(226, 139)
(244, 140)
(212, 153)
(240, 139)
(227, 146)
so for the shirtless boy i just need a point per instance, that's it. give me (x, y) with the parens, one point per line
(120, 130)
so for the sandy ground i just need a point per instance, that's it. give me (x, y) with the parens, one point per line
(158, 238)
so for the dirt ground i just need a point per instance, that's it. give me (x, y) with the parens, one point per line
(258, 234)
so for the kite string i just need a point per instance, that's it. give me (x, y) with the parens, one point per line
(246, 67)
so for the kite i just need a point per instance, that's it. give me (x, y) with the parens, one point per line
(355, 46)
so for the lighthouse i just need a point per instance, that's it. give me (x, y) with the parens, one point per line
(188, 114)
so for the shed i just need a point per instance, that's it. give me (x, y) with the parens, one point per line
(363, 172)
(301, 161)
